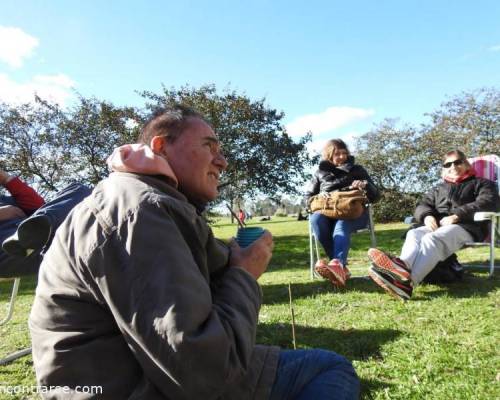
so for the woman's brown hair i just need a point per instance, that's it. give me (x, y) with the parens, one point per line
(331, 146)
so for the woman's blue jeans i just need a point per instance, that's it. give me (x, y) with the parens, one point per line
(314, 374)
(335, 234)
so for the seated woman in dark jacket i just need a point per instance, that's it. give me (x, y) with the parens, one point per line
(447, 217)
(337, 171)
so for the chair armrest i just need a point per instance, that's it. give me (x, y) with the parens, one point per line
(485, 215)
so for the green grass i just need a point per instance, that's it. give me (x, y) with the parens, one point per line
(442, 344)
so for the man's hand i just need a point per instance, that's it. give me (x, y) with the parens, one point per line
(430, 222)
(4, 177)
(449, 220)
(359, 184)
(11, 212)
(254, 258)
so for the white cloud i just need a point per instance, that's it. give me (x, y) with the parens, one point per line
(328, 120)
(55, 88)
(494, 48)
(15, 46)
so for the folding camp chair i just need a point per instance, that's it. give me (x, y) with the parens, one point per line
(13, 295)
(488, 167)
(313, 241)
(10, 312)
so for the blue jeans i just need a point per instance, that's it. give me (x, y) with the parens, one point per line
(63, 202)
(56, 211)
(314, 374)
(335, 234)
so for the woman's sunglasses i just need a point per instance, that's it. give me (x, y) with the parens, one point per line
(456, 163)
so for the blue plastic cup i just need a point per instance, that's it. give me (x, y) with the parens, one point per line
(246, 236)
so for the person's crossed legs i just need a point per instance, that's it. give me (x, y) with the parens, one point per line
(33, 233)
(314, 374)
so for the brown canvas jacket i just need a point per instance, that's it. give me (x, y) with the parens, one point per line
(135, 295)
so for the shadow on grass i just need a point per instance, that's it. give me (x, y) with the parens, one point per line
(369, 385)
(472, 285)
(253, 223)
(355, 344)
(278, 293)
(292, 252)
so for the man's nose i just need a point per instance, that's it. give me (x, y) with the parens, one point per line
(220, 161)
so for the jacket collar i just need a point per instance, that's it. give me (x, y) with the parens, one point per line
(164, 185)
(327, 166)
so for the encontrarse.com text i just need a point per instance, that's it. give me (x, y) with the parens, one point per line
(13, 390)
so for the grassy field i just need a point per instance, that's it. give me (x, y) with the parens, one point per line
(442, 344)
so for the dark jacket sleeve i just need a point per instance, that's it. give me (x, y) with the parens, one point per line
(312, 187)
(426, 206)
(486, 200)
(371, 190)
(177, 326)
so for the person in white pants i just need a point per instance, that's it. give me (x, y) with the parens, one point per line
(424, 248)
(446, 215)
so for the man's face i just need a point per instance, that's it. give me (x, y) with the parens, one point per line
(197, 161)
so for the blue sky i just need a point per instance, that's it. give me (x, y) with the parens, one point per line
(333, 67)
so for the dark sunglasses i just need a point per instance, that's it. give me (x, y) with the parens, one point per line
(456, 163)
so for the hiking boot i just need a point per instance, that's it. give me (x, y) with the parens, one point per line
(389, 265)
(31, 235)
(324, 270)
(394, 287)
(340, 272)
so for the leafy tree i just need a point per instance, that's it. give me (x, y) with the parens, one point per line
(94, 128)
(31, 145)
(262, 157)
(50, 146)
(469, 121)
(388, 153)
(265, 207)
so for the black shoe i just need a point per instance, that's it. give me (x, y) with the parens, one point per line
(32, 235)
(394, 287)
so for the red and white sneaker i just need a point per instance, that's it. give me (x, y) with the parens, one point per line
(340, 272)
(389, 265)
(323, 269)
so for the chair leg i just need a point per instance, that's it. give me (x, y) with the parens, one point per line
(15, 356)
(373, 240)
(492, 246)
(311, 251)
(20, 353)
(10, 311)
(316, 247)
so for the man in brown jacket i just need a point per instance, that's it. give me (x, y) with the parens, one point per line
(136, 298)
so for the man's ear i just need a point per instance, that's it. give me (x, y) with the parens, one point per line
(158, 145)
